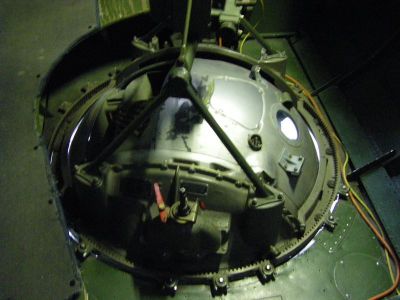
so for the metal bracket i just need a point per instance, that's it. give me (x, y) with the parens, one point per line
(291, 163)
(151, 47)
(343, 192)
(85, 178)
(276, 61)
(330, 223)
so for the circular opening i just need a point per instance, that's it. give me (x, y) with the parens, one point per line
(287, 126)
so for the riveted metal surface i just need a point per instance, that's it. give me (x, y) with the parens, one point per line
(35, 261)
(321, 271)
(316, 273)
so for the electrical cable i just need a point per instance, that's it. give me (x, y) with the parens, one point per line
(381, 239)
(372, 216)
(244, 40)
(356, 199)
(255, 26)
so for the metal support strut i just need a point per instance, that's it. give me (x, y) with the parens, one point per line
(256, 35)
(178, 84)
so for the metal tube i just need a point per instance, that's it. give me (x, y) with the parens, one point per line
(186, 55)
(187, 23)
(256, 35)
(261, 189)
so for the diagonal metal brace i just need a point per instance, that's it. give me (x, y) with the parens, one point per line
(261, 189)
(178, 84)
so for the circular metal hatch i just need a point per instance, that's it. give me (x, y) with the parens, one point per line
(130, 208)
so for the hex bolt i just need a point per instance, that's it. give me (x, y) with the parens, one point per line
(331, 183)
(266, 272)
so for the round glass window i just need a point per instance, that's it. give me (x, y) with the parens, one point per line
(287, 126)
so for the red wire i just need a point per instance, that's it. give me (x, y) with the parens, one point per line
(381, 239)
